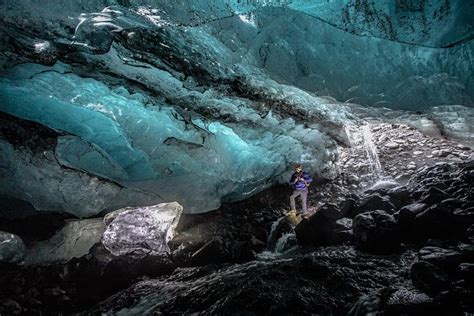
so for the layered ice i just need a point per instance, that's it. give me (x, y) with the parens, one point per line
(139, 143)
(360, 69)
(196, 102)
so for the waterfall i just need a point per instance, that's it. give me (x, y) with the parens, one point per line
(277, 245)
(371, 150)
(361, 158)
(282, 242)
(272, 240)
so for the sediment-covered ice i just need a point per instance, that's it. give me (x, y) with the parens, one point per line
(74, 240)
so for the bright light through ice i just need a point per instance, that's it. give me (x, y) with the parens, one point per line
(142, 229)
(41, 46)
(248, 18)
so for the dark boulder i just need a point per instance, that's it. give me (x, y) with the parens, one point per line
(466, 271)
(467, 251)
(464, 218)
(319, 229)
(213, 251)
(119, 271)
(254, 230)
(343, 230)
(429, 278)
(10, 307)
(374, 202)
(376, 232)
(445, 259)
(470, 234)
(347, 207)
(434, 195)
(442, 221)
(401, 195)
(257, 245)
(406, 218)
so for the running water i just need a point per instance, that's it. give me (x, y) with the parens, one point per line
(361, 158)
(285, 242)
(371, 150)
(272, 237)
(277, 245)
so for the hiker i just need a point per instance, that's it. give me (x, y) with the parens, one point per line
(300, 181)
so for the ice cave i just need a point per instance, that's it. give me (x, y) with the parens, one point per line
(236, 157)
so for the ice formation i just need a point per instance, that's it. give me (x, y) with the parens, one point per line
(74, 240)
(156, 101)
(142, 231)
(12, 248)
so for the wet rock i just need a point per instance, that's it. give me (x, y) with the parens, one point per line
(12, 248)
(392, 145)
(463, 147)
(10, 307)
(406, 218)
(470, 234)
(441, 221)
(324, 282)
(375, 202)
(445, 259)
(257, 245)
(429, 278)
(343, 230)
(466, 271)
(433, 196)
(443, 153)
(405, 301)
(256, 231)
(464, 218)
(319, 229)
(214, 251)
(399, 195)
(143, 230)
(242, 252)
(115, 272)
(376, 232)
(343, 224)
(347, 206)
(467, 251)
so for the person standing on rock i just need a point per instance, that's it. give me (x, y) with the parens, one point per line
(300, 181)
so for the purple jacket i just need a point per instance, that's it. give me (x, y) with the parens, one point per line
(299, 184)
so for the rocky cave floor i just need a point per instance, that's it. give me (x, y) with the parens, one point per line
(401, 244)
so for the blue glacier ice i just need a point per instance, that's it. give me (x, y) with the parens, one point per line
(204, 103)
(150, 147)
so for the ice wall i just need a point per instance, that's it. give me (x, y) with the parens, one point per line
(155, 101)
(402, 54)
(114, 135)
(155, 108)
(306, 52)
(431, 23)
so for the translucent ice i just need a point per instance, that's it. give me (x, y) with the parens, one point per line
(145, 230)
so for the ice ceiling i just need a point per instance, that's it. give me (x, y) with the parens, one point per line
(209, 101)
